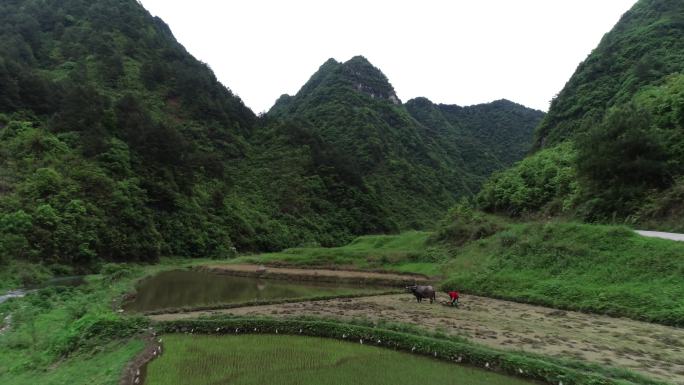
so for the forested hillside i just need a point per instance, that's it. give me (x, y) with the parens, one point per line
(643, 49)
(116, 144)
(400, 152)
(620, 120)
(113, 137)
(488, 137)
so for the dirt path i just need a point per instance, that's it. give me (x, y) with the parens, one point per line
(660, 234)
(315, 274)
(653, 350)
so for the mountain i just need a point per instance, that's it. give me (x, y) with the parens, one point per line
(643, 49)
(415, 164)
(114, 138)
(611, 144)
(116, 144)
(489, 136)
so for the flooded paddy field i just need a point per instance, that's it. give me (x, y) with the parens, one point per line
(193, 288)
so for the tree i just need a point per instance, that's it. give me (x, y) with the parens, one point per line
(621, 159)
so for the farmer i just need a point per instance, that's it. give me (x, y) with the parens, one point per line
(453, 294)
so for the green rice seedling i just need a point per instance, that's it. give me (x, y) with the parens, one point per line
(279, 359)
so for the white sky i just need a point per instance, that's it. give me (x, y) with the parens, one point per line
(451, 51)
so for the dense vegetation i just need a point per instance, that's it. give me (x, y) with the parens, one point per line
(270, 359)
(643, 49)
(628, 166)
(113, 137)
(485, 137)
(544, 182)
(60, 335)
(116, 144)
(620, 118)
(393, 152)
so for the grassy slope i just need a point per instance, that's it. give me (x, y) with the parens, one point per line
(406, 252)
(256, 359)
(603, 269)
(72, 336)
(101, 368)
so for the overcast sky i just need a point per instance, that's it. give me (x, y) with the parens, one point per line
(450, 51)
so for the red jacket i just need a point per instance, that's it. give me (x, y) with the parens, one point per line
(453, 295)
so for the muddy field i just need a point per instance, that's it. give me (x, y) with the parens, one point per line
(654, 350)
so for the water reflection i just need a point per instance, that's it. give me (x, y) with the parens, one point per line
(75, 280)
(185, 288)
(12, 294)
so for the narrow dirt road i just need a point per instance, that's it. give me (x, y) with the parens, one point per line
(654, 350)
(321, 275)
(660, 234)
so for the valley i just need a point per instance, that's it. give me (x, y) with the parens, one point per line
(156, 230)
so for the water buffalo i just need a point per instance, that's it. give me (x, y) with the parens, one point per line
(421, 292)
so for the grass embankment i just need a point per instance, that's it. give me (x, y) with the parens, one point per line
(271, 359)
(72, 335)
(603, 269)
(406, 252)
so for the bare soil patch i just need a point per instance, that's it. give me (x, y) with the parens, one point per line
(651, 349)
(321, 275)
(134, 372)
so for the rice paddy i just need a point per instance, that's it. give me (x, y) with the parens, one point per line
(189, 288)
(285, 360)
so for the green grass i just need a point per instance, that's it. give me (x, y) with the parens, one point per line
(72, 335)
(103, 367)
(269, 359)
(593, 268)
(418, 341)
(603, 269)
(406, 252)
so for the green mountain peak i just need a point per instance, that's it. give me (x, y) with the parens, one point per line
(643, 49)
(117, 144)
(369, 79)
(611, 143)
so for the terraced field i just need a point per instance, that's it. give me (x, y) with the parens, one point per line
(270, 359)
(656, 351)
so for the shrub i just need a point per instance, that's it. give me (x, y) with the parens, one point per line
(464, 224)
(115, 271)
(545, 179)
